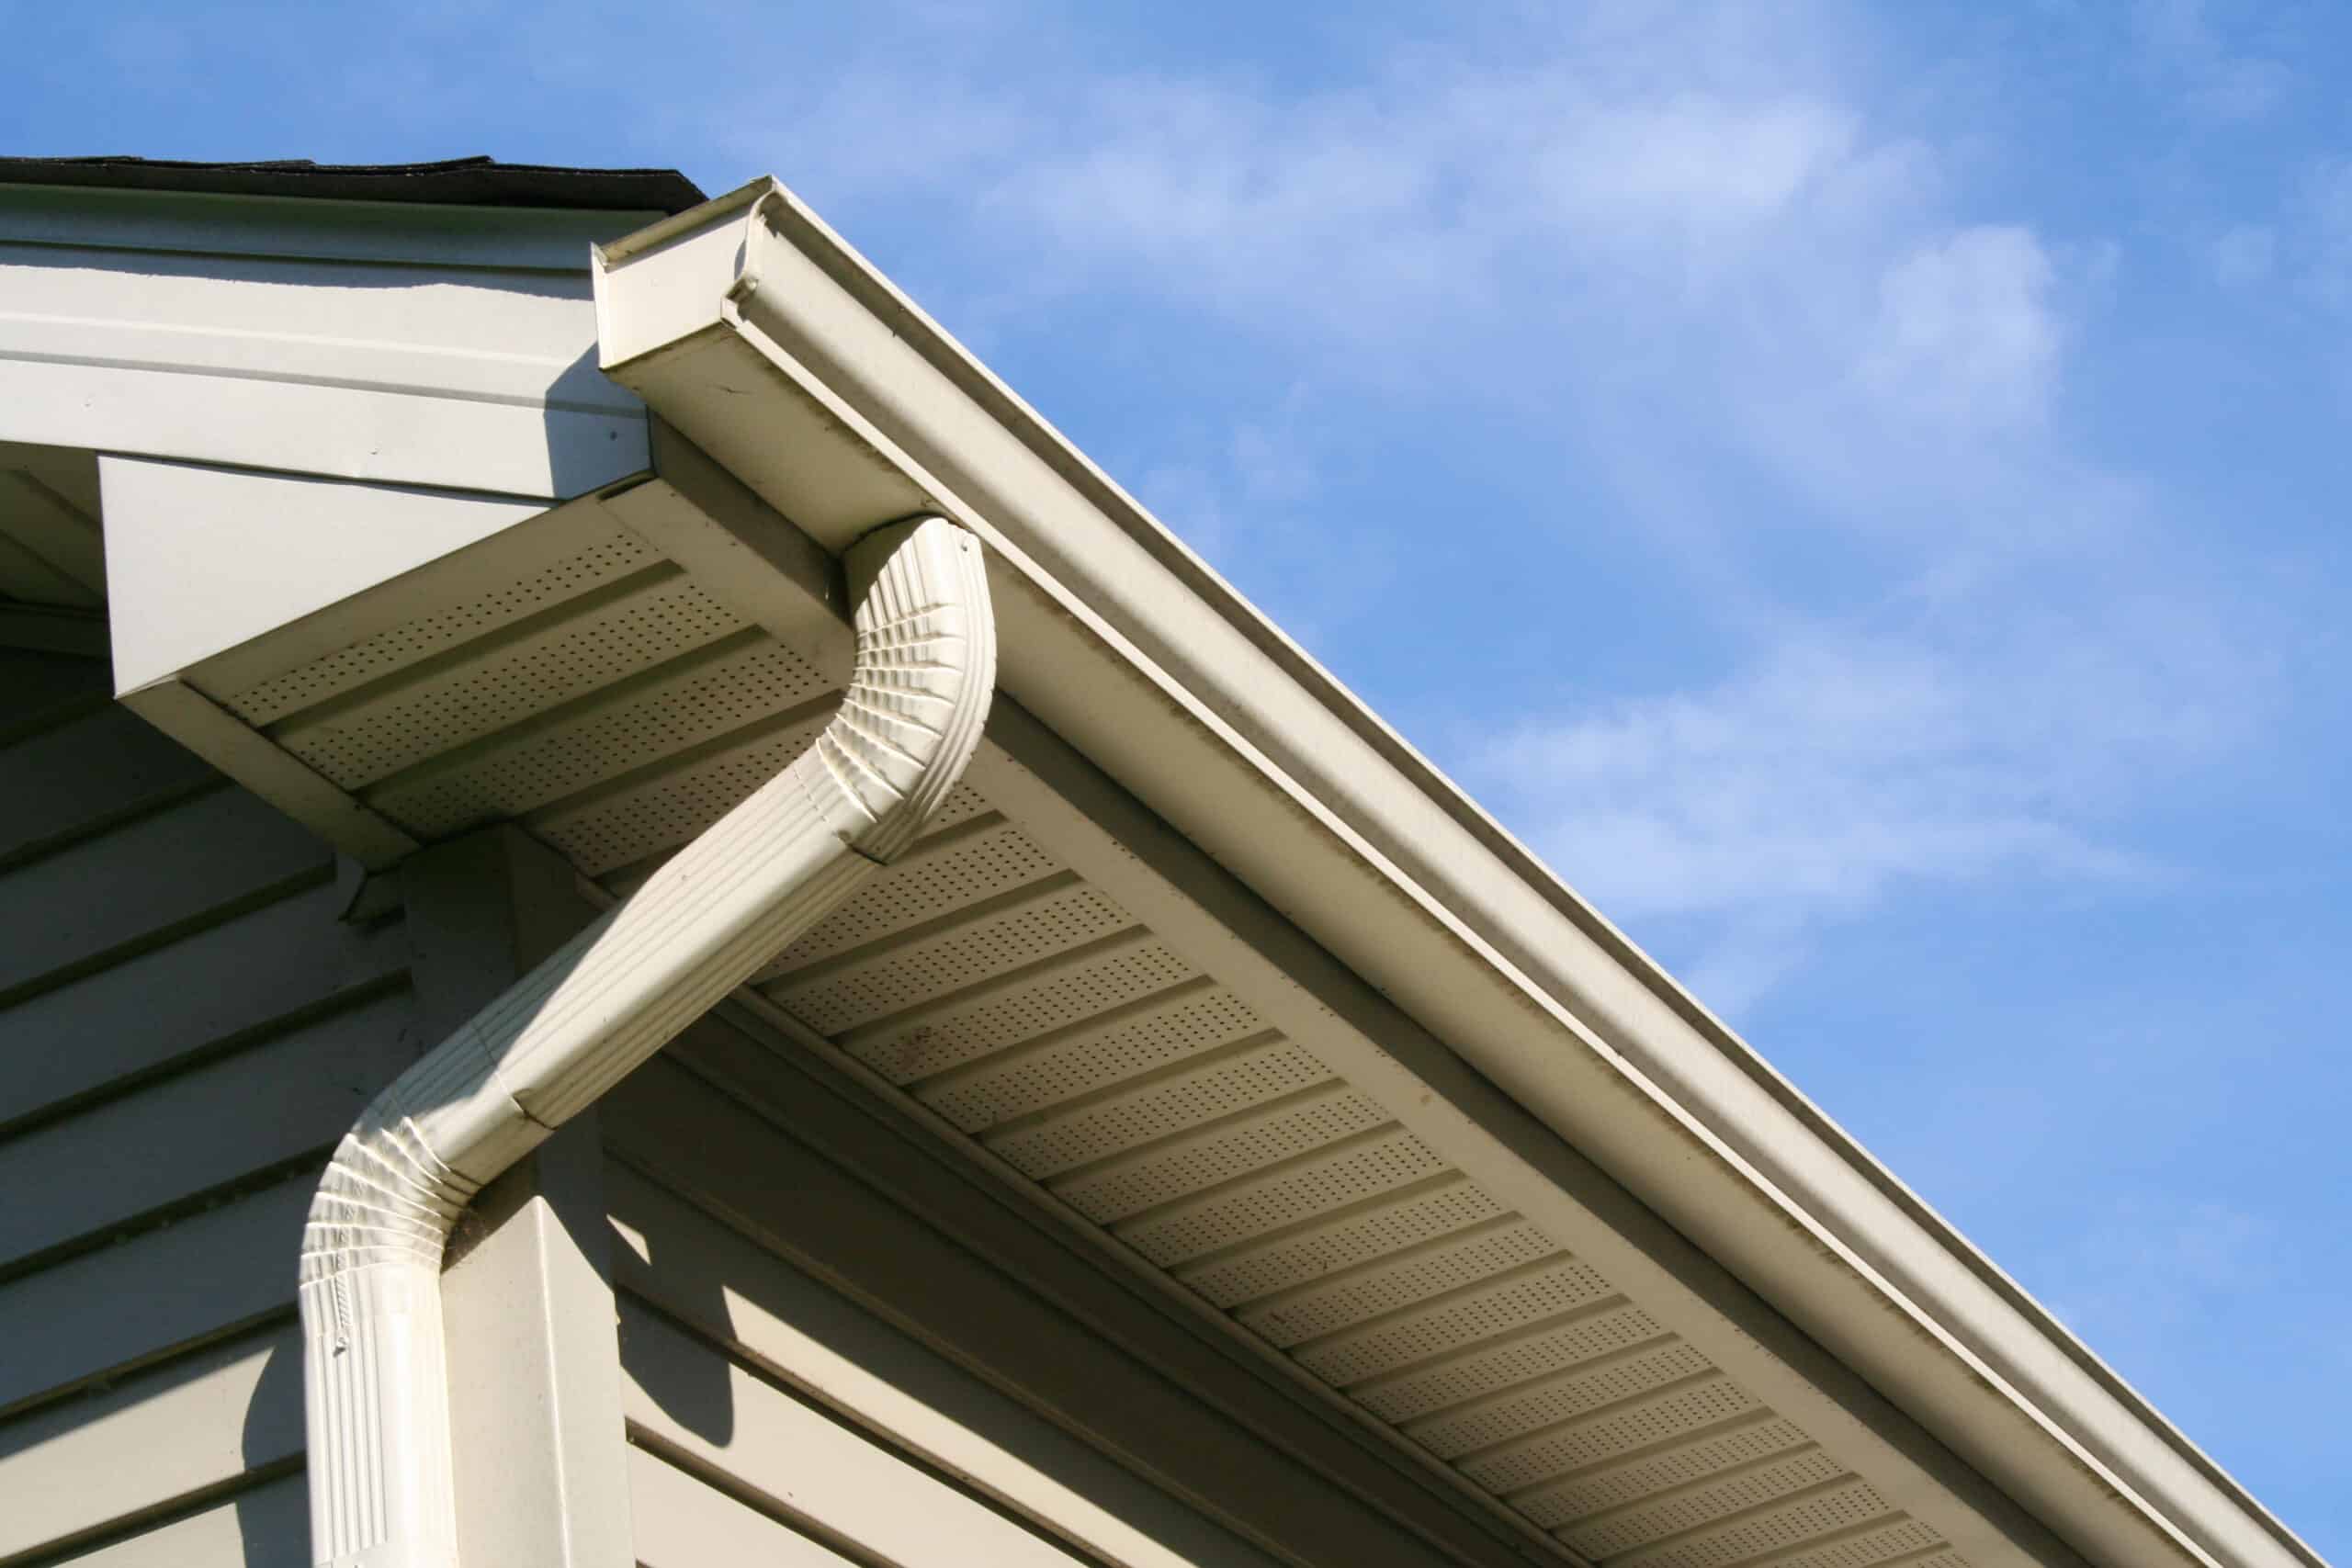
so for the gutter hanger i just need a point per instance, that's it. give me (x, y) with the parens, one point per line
(375, 1372)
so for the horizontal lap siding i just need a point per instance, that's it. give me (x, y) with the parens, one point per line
(683, 1521)
(186, 1028)
(708, 1316)
(702, 1408)
(758, 1221)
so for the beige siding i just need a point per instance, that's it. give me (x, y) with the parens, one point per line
(186, 1026)
(822, 1480)
(744, 1371)
(794, 1261)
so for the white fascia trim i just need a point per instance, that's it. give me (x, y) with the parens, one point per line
(1608, 1050)
(374, 1366)
(434, 234)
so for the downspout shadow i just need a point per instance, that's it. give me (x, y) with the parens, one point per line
(273, 1527)
(693, 1390)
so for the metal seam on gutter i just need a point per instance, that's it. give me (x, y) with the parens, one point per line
(375, 1365)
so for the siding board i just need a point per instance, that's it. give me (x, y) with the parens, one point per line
(112, 1028)
(1146, 1399)
(781, 1320)
(200, 1131)
(809, 1466)
(74, 1469)
(85, 773)
(184, 1025)
(61, 533)
(26, 574)
(38, 688)
(683, 1521)
(163, 1289)
(78, 907)
(265, 1526)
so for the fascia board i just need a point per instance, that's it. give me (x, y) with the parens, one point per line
(428, 234)
(762, 322)
(432, 345)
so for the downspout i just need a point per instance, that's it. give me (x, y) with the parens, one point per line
(374, 1368)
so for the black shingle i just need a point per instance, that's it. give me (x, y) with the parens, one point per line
(464, 182)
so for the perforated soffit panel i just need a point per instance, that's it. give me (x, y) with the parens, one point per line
(596, 693)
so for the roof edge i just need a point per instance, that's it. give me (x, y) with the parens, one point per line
(1880, 1255)
(449, 182)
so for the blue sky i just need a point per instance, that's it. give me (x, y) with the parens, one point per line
(1858, 488)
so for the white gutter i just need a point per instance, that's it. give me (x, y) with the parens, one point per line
(374, 1366)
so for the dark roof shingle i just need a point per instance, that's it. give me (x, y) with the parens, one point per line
(463, 182)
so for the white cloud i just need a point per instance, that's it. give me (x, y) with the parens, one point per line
(1965, 331)
(2000, 739)
(1734, 247)
(1676, 133)
(1684, 234)
(1814, 781)
(1693, 158)
(1416, 203)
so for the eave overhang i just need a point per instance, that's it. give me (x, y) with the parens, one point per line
(1170, 793)
(776, 347)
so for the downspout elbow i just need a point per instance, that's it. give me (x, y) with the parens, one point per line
(374, 1363)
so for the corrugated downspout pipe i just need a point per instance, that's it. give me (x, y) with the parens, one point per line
(374, 1368)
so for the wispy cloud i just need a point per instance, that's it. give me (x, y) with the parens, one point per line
(1814, 778)
(1831, 773)
(1699, 248)
(2187, 48)
(1965, 335)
